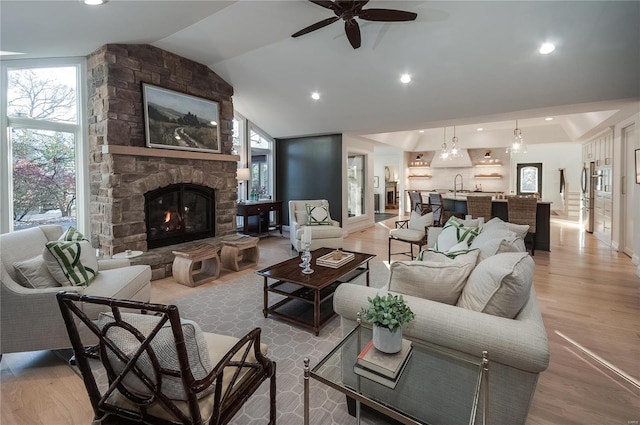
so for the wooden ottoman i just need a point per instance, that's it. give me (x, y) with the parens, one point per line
(185, 260)
(240, 252)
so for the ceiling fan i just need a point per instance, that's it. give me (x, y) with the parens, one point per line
(348, 11)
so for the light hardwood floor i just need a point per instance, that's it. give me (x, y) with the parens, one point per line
(590, 301)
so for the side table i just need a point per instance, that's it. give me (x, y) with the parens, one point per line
(185, 260)
(240, 252)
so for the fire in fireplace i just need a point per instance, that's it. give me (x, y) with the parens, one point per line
(179, 213)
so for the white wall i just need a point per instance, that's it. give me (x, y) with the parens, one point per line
(634, 197)
(553, 156)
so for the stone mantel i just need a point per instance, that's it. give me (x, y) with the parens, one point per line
(167, 153)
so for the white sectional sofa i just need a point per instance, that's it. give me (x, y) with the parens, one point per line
(30, 318)
(465, 308)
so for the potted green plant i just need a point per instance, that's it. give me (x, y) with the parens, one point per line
(387, 314)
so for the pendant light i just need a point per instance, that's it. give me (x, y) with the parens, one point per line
(517, 146)
(445, 154)
(454, 152)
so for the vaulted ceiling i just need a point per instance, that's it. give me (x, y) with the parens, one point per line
(473, 64)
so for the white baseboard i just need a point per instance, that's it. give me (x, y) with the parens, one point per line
(615, 246)
(635, 259)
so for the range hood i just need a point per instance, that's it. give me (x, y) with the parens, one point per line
(461, 161)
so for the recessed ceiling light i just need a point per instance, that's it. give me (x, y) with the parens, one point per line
(549, 119)
(421, 131)
(547, 48)
(94, 2)
(405, 78)
(479, 129)
(5, 53)
(315, 95)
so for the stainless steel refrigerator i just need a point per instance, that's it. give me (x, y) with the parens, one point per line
(588, 189)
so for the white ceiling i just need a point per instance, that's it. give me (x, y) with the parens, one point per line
(473, 64)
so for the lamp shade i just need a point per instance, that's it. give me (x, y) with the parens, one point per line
(243, 174)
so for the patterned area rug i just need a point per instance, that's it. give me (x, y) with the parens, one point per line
(233, 308)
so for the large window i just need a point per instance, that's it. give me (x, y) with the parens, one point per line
(42, 144)
(261, 183)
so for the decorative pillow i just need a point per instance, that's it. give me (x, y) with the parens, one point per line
(495, 246)
(77, 260)
(495, 223)
(33, 273)
(72, 234)
(164, 346)
(301, 217)
(318, 215)
(490, 233)
(520, 229)
(419, 222)
(499, 285)
(453, 232)
(437, 277)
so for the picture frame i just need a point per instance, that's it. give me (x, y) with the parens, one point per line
(376, 182)
(637, 166)
(175, 120)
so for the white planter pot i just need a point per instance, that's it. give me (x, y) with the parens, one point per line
(387, 341)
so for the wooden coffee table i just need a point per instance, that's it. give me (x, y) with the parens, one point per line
(308, 298)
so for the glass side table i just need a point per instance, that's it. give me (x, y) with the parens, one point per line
(431, 375)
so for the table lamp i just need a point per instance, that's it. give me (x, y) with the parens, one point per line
(243, 175)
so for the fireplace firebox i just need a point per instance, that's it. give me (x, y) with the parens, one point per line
(179, 213)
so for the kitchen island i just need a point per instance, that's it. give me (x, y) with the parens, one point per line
(458, 203)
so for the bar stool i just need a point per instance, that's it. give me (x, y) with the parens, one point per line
(523, 210)
(437, 207)
(479, 206)
(416, 203)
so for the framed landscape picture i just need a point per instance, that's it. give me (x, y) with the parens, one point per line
(176, 120)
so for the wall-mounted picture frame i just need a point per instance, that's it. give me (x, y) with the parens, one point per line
(376, 182)
(637, 166)
(175, 120)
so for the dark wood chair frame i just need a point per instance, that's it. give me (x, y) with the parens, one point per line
(404, 224)
(226, 404)
(437, 206)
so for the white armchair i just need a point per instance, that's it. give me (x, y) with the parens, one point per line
(30, 318)
(322, 236)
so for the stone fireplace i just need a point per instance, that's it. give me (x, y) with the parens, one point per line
(123, 171)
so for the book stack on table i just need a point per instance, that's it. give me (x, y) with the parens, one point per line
(380, 367)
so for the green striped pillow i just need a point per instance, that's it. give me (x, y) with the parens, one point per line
(454, 232)
(72, 234)
(77, 260)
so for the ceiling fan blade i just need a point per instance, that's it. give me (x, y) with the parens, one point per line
(358, 5)
(316, 26)
(386, 15)
(324, 3)
(352, 29)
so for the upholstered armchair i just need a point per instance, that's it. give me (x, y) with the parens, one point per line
(325, 232)
(29, 315)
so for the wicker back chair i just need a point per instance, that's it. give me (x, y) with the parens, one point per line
(479, 206)
(523, 210)
(416, 203)
(156, 367)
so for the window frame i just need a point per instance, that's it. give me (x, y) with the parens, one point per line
(270, 162)
(79, 130)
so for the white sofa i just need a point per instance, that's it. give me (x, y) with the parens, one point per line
(442, 299)
(30, 318)
(325, 236)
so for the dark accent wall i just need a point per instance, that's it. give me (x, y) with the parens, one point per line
(310, 168)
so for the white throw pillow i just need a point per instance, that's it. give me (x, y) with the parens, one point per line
(437, 277)
(318, 215)
(164, 346)
(420, 222)
(520, 229)
(495, 223)
(495, 246)
(33, 273)
(75, 259)
(499, 285)
(491, 233)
